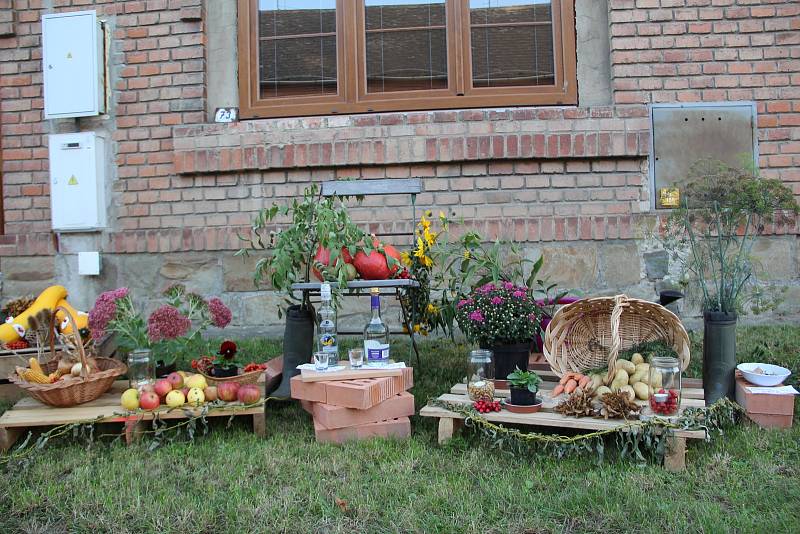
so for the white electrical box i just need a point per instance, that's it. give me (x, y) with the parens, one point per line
(88, 263)
(73, 65)
(77, 181)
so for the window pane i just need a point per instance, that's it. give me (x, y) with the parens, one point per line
(297, 47)
(406, 45)
(512, 43)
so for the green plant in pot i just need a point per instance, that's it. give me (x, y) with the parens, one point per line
(524, 386)
(311, 234)
(723, 212)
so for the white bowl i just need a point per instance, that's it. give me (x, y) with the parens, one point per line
(772, 374)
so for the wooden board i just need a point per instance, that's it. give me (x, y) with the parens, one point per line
(348, 373)
(693, 397)
(545, 417)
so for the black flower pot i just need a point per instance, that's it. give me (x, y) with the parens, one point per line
(224, 372)
(164, 369)
(507, 358)
(522, 397)
(719, 355)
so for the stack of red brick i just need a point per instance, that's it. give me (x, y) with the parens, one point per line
(346, 410)
(765, 409)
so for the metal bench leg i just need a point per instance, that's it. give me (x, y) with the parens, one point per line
(410, 331)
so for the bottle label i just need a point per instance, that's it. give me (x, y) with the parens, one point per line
(377, 352)
(375, 302)
(328, 342)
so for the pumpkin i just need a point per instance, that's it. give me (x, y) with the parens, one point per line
(323, 256)
(375, 266)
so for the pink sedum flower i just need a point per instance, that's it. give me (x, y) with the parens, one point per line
(104, 310)
(221, 315)
(167, 323)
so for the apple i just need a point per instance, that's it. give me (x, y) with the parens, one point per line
(175, 399)
(227, 391)
(196, 381)
(249, 394)
(195, 397)
(130, 399)
(162, 387)
(149, 400)
(185, 392)
(147, 388)
(176, 380)
(211, 393)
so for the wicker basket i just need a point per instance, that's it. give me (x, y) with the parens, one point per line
(66, 393)
(246, 378)
(590, 333)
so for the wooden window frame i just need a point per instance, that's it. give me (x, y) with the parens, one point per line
(352, 96)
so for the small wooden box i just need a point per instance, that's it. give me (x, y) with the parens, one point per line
(766, 410)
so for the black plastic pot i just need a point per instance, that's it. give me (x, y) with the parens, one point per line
(298, 343)
(719, 355)
(163, 369)
(522, 397)
(224, 372)
(509, 357)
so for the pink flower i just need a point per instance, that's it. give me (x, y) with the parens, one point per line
(497, 300)
(486, 288)
(464, 302)
(104, 310)
(519, 294)
(167, 323)
(476, 316)
(508, 285)
(220, 314)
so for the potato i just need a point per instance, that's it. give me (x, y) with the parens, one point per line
(643, 367)
(597, 381)
(638, 376)
(656, 383)
(626, 365)
(621, 375)
(602, 390)
(641, 390)
(637, 358)
(617, 385)
(629, 390)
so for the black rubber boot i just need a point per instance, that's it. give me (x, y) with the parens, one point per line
(298, 344)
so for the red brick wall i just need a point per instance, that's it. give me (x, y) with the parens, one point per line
(561, 173)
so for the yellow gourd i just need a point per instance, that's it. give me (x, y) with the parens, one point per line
(81, 318)
(46, 300)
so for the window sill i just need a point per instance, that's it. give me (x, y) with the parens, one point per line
(413, 138)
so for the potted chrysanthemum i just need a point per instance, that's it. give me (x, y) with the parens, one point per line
(504, 318)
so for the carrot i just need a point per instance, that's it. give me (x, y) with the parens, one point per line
(571, 385)
(564, 378)
(558, 390)
(585, 380)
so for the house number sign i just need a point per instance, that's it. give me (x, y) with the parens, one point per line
(226, 115)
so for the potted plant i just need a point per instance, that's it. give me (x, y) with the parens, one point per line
(524, 386)
(723, 211)
(504, 318)
(170, 329)
(292, 251)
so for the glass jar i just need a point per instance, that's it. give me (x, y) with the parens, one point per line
(665, 386)
(480, 375)
(141, 368)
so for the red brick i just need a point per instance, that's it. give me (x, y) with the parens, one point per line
(397, 428)
(762, 403)
(358, 394)
(331, 416)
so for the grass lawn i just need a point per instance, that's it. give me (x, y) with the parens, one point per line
(231, 481)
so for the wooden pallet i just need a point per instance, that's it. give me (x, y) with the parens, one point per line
(29, 413)
(450, 422)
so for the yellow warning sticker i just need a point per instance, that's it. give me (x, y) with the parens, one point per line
(72, 180)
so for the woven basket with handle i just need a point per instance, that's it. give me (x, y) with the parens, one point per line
(70, 391)
(242, 379)
(590, 333)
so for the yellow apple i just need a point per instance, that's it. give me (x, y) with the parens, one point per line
(175, 398)
(130, 399)
(196, 381)
(195, 397)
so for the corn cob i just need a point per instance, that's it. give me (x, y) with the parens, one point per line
(29, 375)
(33, 363)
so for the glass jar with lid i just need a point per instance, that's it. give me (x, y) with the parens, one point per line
(141, 371)
(665, 386)
(480, 375)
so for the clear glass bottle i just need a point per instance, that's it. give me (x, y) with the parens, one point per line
(326, 331)
(665, 386)
(376, 333)
(141, 368)
(480, 375)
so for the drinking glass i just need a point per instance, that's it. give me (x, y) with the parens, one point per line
(321, 361)
(356, 357)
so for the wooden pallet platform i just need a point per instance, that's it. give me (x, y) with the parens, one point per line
(450, 422)
(29, 413)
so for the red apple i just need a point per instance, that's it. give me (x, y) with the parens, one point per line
(227, 391)
(185, 392)
(162, 387)
(323, 256)
(149, 400)
(176, 380)
(211, 393)
(249, 394)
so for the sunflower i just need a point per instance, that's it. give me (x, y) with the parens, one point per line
(430, 237)
(419, 252)
(405, 258)
(432, 309)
